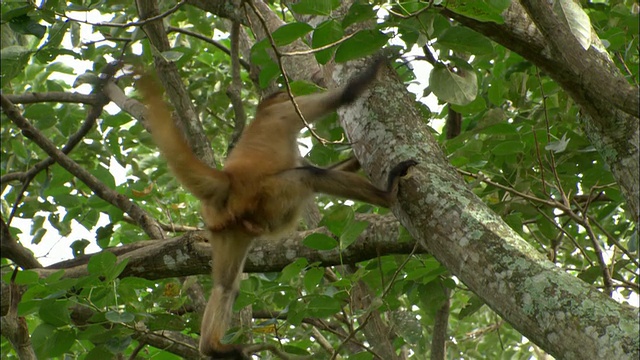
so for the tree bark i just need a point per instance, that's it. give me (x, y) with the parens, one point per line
(560, 313)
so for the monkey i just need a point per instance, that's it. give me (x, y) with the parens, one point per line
(261, 188)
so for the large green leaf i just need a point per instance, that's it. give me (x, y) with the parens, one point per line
(453, 88)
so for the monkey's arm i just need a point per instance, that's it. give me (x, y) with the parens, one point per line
(314, 106)
(200, 179)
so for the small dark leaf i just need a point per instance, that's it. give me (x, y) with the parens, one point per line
(78, 246)
(474, 304)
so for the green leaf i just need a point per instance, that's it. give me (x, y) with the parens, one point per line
(103, 235)
(363, 355)
(289, 33)
(326, 33)
(105, 176)
(172, 56)
(323, 306)
(119, 317)
(463, 39)
(451, 87)
(312, 278)
(102, 263)
(480, 10)
(23, 277)
(473, 304)
(358, 12)
(267, 74)
(118, 344)
(320, 241)
(633, 242)
(26, 25)
(49, 342)
(14, 58)
(117, 270)
(55, 313)
(351, 233)
(61, 67)
(99, 352)
(292, 270)
(78, 247)
(165, 322)
(508, 147)
(315, 7)
(362, 44)
(591, 274)
(338, 219)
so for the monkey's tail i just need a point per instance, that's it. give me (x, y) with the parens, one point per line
(201, 180)
(229, 251)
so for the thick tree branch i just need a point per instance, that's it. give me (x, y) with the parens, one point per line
(13, 250)
(550, 307)
(190, 254)
(14, 327)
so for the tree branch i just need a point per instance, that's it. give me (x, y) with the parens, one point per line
(473, 242)
(53, 96)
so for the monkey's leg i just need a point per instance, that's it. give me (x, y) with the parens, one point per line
(346, 184)
(351, 164)
(229, 251)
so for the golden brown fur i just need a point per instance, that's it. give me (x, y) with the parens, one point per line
(261, 189)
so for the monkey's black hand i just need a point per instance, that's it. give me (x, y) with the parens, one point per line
(399, 171)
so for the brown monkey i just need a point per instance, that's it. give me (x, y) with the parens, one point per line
(261, 189)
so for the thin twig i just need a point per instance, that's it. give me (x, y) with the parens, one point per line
(552, 158)
(217, 44)
(129, 24)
